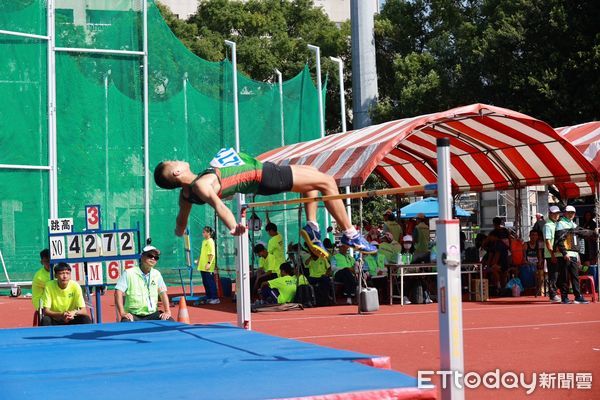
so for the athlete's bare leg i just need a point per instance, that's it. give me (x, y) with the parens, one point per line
(310, 181)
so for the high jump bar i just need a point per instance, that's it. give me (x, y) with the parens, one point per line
(430, 187)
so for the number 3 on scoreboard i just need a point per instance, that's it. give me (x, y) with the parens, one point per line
(127, 243)
(92, 217)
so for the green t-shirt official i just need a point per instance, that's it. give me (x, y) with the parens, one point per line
(141, 290)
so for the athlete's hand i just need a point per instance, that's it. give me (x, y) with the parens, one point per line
(238, 230)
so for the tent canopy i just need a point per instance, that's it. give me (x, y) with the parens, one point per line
(491, 148)
(430, 207)
(586, 138)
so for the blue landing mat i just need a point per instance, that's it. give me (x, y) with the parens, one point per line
(167, 360)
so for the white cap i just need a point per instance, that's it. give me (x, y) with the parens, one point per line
(554, 210)
(407, 238)
(570, 209)
(149, 248)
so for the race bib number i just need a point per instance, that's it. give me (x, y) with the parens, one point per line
(226, 158)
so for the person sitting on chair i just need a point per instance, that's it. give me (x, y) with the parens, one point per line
(343, 266)
(41, 277)
(232, 173)
(142, 286)
(62, 300)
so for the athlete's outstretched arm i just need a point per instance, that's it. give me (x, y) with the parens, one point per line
(208, 195)
(182, 218)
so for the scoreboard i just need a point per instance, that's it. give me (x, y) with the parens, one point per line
(96, 256)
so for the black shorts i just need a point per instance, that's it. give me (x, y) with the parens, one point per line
(275, 179)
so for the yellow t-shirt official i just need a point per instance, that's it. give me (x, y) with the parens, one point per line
(317, 268)
(207, 250)
(62, 300)
(38, 283)
(275, 250)
(286, 286)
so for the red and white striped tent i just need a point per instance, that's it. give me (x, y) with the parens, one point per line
(586, 138)
(491, 148)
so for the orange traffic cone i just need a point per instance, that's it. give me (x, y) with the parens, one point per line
(182, 315)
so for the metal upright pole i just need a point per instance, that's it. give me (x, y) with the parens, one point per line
(146, 127)
(280, 83)
(317, 51)
(449, 279)
(185, 116)
(340, 64)
(106, 131)
(52, 135)
(243, 270)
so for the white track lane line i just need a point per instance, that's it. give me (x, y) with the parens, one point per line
(373, 315)
(404, 332)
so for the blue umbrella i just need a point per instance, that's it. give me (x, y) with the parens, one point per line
(430, 207)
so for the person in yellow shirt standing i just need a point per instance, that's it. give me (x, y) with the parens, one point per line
(41, 277)
(62, 300)
(206, 265)
(275, 246)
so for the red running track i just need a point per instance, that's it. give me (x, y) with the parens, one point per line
(521, 335)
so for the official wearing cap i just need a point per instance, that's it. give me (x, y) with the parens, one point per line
(142, 286)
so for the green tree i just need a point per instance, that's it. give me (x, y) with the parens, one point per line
(270, 34)
(540, 57)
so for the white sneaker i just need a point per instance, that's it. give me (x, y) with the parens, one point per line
(555, 299)
(213, 301)
(407, 301)
(428, 301)
(348, 300)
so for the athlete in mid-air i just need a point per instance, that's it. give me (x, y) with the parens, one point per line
(232, 173)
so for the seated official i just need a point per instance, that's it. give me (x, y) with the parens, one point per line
(280, 290)
(142, 286)
(62, 300)
(343, 265)
(267, 268)
(319, 271)
(377, 272)
(389, 248)
(40, 279)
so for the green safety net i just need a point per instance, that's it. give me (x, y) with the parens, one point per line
(100, 127)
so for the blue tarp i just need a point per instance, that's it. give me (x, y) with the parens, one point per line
(430, 207)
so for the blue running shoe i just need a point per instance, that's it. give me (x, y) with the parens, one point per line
(313, 240)
(359, 243)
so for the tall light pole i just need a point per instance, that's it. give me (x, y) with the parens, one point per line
(317, 51)
(280, 83)
(340, 64)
